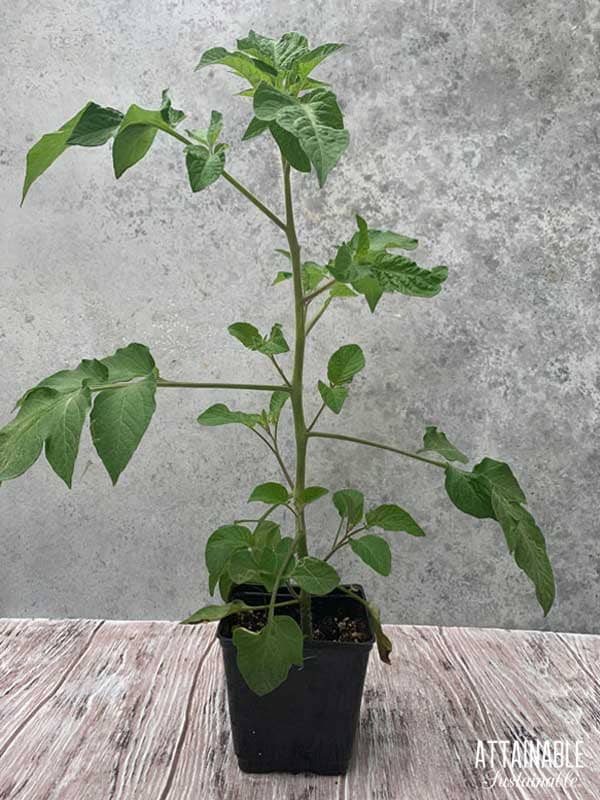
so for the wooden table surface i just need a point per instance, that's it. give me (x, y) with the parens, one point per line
(105, 709)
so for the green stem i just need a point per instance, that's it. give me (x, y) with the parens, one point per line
(319, 291)
(275, 450)
(280, 371)
(343, 541)
(165, 384)
(379, 446)
(318, 316)
(292, 602)
(255, 201)
(300, 432)
(317, 415)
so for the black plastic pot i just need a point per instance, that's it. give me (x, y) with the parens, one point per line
(307, 724)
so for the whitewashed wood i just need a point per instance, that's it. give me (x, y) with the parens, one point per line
(138, 710)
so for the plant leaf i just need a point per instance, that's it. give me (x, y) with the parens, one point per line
(276, 404)
(214, 613)
(219, 414)
(137, 133)
(393, 518)
(255, 128)
(47, 149)
(344, 364)
(266, 534)
(334, 397)
(133, 361)
(221, 545)
(242, 65)
(62, 442)
(204, 167)
(280, 277)
(271, 493)
(396, 273)
(469, 492)
(280, 54)
(374, 551)
(312, 493)
(384, 645)
(313, 58)
(95, 126)
(315, 576)
(350, 504)
(264, 658)
(437, 442)
(250, 337)
(499, 474)
(290, 147)
(118, 421)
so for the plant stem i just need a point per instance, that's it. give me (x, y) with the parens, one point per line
(255, 201)
(165, 384)
(319, 291)
(343, 541)
(275, 450)
(317, 415)
(280, 371)
(318, 316)
(378, 445)
(292, 602)
(300, 432)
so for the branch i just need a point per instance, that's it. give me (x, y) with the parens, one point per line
(281, 372)
(378, 445)
(309, 297)
(165, 384)
(318, 316)
(277, 454)
(255, 201)
(317, 415)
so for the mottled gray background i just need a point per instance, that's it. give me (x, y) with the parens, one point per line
(474, 127)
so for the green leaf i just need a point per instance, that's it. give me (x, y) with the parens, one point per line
(393, 518)
(249, 336)
(312, 275)
(225, 586)
(118, 421)
(266, 534)
(396, 273)
(469, 492)
(221, 545)
(242, 65)
(313, 58)
(362, 238)
(204, 167)
(350, 504)
(437, 442)
(378, 240)
(242, 567)
(341, 290)
(333, 397)
(280, 277)
(265, 658)
(137, 133)
(271, 493)
(95, 126)
(281, 54)
(526, 542)
(214, 613)
(276, 404)
(501, 477)
(62, 442)
(255, 128)
(290, 147)
(219, 414)
(315, 576)
(133, 361)
(312, 493)
(47, 149)
(344, 364)
(374, 551)
(169, 114)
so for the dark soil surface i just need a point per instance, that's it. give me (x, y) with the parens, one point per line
(336, 627)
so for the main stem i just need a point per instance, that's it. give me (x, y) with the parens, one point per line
(296, 394)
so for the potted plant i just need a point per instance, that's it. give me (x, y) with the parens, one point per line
(295, 639)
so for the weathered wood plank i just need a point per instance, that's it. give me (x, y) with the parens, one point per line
(138, 709)
(112, 728)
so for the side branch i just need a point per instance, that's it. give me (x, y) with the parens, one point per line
(378, 445)
(255, 201)
(165, 384)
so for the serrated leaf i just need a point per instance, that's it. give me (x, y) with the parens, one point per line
(95, 126)
(220, 414)
(221, 545)
(312, 493)
(391, 517)
(250, 337)
(315, 576)
(396, 273)
(374, 551)
(214, 613)
(47, 149)
(437, 442)
(344, 364)
(118, 421)
(469, 492)
(265, 658)
(270, 492)
(274, 343)
(137, 133)
(349, 504)
(334, 397)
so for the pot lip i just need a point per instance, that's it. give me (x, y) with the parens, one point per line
(317, 644)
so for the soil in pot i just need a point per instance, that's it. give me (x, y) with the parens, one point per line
(308, 723)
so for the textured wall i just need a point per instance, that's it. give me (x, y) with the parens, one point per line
(474, 127)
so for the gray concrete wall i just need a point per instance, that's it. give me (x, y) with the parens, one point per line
(474, 127)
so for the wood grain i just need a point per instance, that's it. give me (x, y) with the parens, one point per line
(114, 710)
